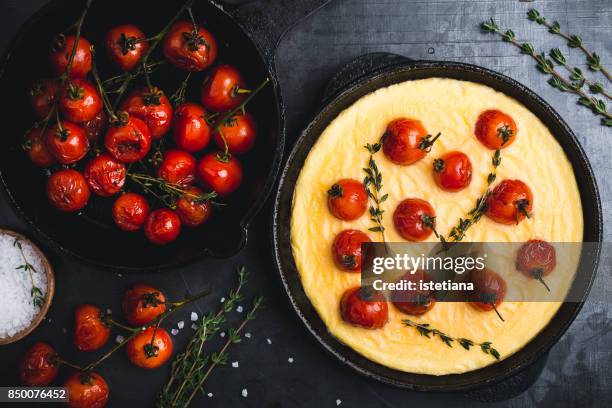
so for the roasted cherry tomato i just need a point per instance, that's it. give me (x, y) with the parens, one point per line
(67, 142)
(372, 314)
(347, 199)
(130, 211)
(105, 175)
(415, 301)
(223, 175)
(414, 219)
(495, 129)
(406, 141)
(536, 259)
(188, 48)
(125, 45)
(153, 107)
(80, 101)
(346, 249)
(39, 365)
(36, 148)
(177, 167)
(162, 226)
(90, 331)
(193, 211)
(489, 290)
(67, 190)
(60, 54)
(510, 202)
(223, 89)
(43, 95)
(142, 353)
(95, 127)
(238, 132)
(128, 142)
(142, 304)
(86, 390)
(453, 171)
(190, 129)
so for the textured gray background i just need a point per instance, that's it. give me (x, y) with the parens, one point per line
(579, 370)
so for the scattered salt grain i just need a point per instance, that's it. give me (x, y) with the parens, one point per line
(269, 341)
(194, 316)
(108, 311)
(290, 360)
(194, 326)
(119, 339)
(222, 334)
(64, 330)
(210, 394)
(239, 309)
(180, 325)
(222, 300)
(247, 335)
(16, 304)
(235, 364)
(174, 332)
(338, 402)
(245, 392)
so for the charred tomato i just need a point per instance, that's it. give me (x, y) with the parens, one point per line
(144, 353)
(39, 365)
(489, 290)
(219, 173)
(86, 390)
(90, 330)
(152, 107)
(347, 199)
(192, 208)
(36, 148)
(43, 95)
(510, 202)
(79, 101)
(67, 142)
(189, 47)
(369, 314)
(125, 45)
(414, 219)
(177, 167)
(60, 55)
(415, 301)
(346, 249)
(95, 127)
(406, 141)
(128, 141)
(67, 190)
(238, 132)
(536, 259)
(130, 211)
(191, 131)
(453, 171)
(223, 89)
(495, 129)
(162, 226)
(105, 175)
(142, 304)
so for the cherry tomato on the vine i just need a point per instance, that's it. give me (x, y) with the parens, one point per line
(67, 142)
(219, 173)
(90, 331)
(67, 190)
(95, 127)
(223, 89)
(39, 365)
(191, 209)
(177, 167)
(60, 55)
(128, 142)
(146, 354)
(162, 226)
(191, 131)
(36, 148)
(125, 45)
(152, 107)
(238, 132)
(142, 304)
(79, 101)
(130, 211)
(105, 175)
(188, 48)
(86, 390)
(43, 95)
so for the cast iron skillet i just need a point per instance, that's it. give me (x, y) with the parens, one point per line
(361, 77)
(247, 35)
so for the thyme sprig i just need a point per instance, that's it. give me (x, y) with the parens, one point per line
(373, 184)
(38, 298)
(425, 330)
(577, 76)
(546, 66)
(573, 41)
(167, 193)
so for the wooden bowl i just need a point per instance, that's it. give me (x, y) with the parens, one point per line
(48, 297)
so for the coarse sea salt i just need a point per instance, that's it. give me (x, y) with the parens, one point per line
(16, 304)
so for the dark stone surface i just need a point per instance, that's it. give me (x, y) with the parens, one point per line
(578, 371)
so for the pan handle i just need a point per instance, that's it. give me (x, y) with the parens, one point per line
(267, 21)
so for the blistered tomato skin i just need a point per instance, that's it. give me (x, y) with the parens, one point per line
(414, 302)
(130, 212)
(347, 199)
(142, 304)
(60, 54)
(219, 174)
(86, 390)
(153, 108)
(223, 89)
(536, 258)
(414, 219)
(36, 149)
(366, 314)
(162, 226)
(510, 202)
(495, 129)
(125, 46)
(346, 249)
(39, 365)
(79, 101)
(191, 210)
(142, 354)
(406, 141)
(453, 171)
(95, 127)
(105, 175)
(489, 289)
(177, 167)
(90, 331)
(189, 50)
(67, 142)
(129, 142)
(67, 190)
(191, 131)
(43, 95)
(239, 133)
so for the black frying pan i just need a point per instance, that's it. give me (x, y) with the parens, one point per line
(372, 72)
(247, 35)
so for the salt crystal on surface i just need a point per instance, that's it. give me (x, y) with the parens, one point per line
(194, 316)
(180, 325)
(222, 300)
(245, 392)
(108, 311)
(174, 332)
(338, 402)
(239, 309)
(290, 359)
(210, 394)
(194, 326)
(222, 334)
(247, 335)
(235, 364)
(119, 339)
(269, 341)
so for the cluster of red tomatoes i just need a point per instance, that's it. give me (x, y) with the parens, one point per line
(75, 114)
(405, 142)
(149, 347)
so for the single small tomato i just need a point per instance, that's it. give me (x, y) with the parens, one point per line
(220, 174)
(192, 209)
(67, 190)
(43, 95)
(130, 211)
(190, 48)
(36, 148)
(142, 304)
(177, 167)
(128, 142)
(60, 55)
(39, 365)
(415, 301)
(79, 101)
(510, 202)
(238, 132)
(86, 390)
(67, 142)
(406, 141)
(152, 107)
(495, 129)
(414, 219)
(346, 249)
(191, 131)
(162, 226)
(347, 199)
(489, 290)
(369, 314)
(90, 331)
(146, 354)
(453, 171)
(125, 46)
(95, 127)
(223, 89)
(536, 259)
(105, 175)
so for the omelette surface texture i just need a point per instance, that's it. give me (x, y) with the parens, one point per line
(451, 107)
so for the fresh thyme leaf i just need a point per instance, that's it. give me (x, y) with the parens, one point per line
(373, 183)
(38, 298)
